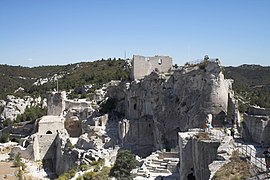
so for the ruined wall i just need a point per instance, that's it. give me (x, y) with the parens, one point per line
(142, 66)
(178, 102)
(137, 135)
(256, 128)
(196, 154)
(56, 103)
(259, 111)
(46, 146)
(70, 104)
(26, 153)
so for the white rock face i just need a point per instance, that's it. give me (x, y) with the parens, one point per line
(15, 105)
(158, 106)
(54, 78)
(2, 103)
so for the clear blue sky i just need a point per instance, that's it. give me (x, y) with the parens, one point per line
(43, 32)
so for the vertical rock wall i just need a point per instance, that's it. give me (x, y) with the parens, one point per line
(178, 102)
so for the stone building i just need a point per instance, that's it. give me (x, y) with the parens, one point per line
(143, 66)
(43, 141)
(72, 110)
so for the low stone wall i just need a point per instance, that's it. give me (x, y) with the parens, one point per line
(259, 111)
(26, 153)
(70, 104)
(168, 155)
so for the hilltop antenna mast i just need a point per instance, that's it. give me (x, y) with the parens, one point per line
(125, 55)
(188, 52)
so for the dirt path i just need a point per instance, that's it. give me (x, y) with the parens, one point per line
(7, 171)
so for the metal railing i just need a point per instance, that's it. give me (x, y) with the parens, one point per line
(247, 151)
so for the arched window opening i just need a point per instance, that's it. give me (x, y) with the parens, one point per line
(49, 132)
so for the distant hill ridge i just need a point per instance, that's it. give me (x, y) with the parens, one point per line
(252, 83)
(73, 76)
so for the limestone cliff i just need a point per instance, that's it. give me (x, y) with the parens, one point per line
(14, 106)
(161, 105)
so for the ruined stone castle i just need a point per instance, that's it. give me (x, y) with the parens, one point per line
(159, 106)
(149, 113)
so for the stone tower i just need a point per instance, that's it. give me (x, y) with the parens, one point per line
(56, 103)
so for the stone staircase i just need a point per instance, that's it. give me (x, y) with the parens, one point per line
(159, 164)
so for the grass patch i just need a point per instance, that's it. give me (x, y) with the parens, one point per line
(236, 169)
(102, 174)
(202, 136)
(68, 175)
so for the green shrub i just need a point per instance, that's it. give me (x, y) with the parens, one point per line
(17, 162)
(125, 162)
(4, 138)
(31, 114)
(7, 122)
(103, 174)
(203, 64)
(84, 167)
(1, 109)
(88, 176)
(108, 106)
(68, 175)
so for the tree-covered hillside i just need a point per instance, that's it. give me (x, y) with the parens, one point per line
(73, 76)
(252, 83)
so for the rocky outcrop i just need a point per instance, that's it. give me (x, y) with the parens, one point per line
(93, 142)
(15, 106)
(66, 157)
(162, 105)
